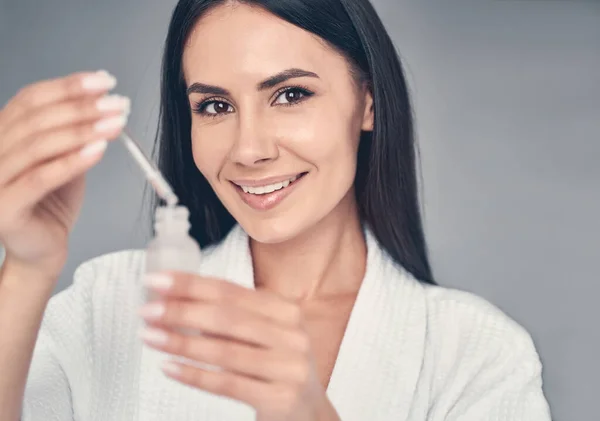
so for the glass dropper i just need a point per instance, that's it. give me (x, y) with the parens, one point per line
(153, 175)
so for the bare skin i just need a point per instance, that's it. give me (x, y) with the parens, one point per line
(44, 128)
(310, 248)
(271, 102)
(49, 138)
(326, 322)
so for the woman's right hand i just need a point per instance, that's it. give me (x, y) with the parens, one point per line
(51, 133)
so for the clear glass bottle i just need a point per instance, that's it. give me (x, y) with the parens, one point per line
(172, 248)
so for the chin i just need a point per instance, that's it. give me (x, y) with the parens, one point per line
(271, 231)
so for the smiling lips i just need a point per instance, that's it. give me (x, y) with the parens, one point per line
(266, 194)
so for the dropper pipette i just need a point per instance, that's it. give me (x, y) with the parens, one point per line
(153, 175)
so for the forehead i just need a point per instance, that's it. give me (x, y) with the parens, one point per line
(252, 41)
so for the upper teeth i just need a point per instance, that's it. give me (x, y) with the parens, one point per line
(269, 188)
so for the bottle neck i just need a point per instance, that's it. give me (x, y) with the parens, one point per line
(172, 221)
(172, 228)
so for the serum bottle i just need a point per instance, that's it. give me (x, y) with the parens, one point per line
(172, 248)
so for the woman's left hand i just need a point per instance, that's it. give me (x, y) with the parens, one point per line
(255, 339)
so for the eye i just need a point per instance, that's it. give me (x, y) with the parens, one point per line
(213, 108)
(293, 95)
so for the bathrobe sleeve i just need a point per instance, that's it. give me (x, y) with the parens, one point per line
(486, 366)
(47, 394)
(507, 391)
(62, 355)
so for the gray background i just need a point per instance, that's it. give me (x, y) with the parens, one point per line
(507, 97)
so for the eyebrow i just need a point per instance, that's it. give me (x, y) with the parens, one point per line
(201, 88)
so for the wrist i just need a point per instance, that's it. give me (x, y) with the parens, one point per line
(16, 275)
(328, 413)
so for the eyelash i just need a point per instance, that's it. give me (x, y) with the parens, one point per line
(200, 106)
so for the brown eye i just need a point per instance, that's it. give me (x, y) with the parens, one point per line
(291, 96)
(213, 108)
(221, 107)
(217, 107)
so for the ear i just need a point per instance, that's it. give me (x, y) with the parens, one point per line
(369, 113)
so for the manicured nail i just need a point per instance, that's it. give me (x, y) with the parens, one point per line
(154, 336)
(110, 123)
(95, 148)
(152, 311)
(99, 81)
(158, 281)
(114, 103)
(171, 368)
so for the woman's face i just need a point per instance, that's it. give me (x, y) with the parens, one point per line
(276, 121)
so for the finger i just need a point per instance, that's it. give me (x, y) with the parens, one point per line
(52, 144)
(193, 287)
(240, 358)
(68, 113)
(222, 383)
(46, 92)
(224, 321)
(31, 187)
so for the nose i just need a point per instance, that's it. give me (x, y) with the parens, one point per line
(253, 145)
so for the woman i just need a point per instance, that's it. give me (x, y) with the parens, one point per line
(286, 130)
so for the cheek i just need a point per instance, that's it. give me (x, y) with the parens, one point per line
(210, 149)
(325, 136)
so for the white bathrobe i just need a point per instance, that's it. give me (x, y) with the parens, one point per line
(411, 352)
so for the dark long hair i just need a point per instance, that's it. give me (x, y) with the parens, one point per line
(386, 179)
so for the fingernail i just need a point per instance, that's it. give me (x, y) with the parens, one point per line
(158, 281)
(114, 103)
(110, 123)
(94, 148)
(154, 336)
(101, 80)
(171, 368)
(152, 311)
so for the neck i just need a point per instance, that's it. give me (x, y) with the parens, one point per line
(329, 260)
